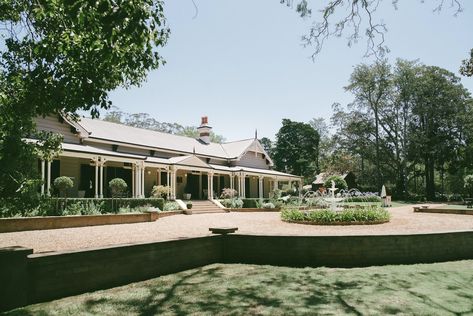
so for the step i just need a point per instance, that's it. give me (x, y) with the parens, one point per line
(194, 212)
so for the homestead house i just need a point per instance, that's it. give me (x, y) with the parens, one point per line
(96, 151)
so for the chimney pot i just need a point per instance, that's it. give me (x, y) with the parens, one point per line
(204, 130)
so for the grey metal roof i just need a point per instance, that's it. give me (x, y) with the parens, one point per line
(254, 170)
(114, 132)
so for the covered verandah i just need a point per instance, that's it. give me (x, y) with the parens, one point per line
(91, 168)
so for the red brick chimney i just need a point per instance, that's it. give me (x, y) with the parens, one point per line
(204, 130)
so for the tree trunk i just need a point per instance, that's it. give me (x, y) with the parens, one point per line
(378, 167)
(429, 178)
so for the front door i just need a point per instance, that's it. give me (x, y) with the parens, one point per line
(192, 185)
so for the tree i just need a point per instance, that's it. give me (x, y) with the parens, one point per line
(467, 66)
(439, 105)
(268, 145)
(296, 149)
(371, 86)
(415, 122)
(352, 19)
(62, 184)
(468, 180)
(64, 56)
(117, 187)
(340, 183)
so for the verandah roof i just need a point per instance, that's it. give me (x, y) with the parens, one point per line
(189, 160)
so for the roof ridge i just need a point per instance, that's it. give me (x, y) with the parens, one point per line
(236, 141)
(144, 129)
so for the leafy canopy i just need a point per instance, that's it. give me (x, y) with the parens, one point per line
(296, 148)
(65, 55)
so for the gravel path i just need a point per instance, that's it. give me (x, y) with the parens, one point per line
(403, 221)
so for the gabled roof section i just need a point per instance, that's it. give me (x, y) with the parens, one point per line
(249, 145)
(95, 129)
(236, 149)
(191, 161)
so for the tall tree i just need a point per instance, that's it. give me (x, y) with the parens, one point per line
(371, 86)
(440, 103)
(64, 56)
(296, 149)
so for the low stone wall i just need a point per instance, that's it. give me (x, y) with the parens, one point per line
(27, 278)
(444, 210)
(55, 222)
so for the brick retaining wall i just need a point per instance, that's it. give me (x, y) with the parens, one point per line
(55, 222)
(29, 278)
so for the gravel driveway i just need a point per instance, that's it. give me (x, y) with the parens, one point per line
(403, 221)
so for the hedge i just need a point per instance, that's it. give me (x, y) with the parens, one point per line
(369, 198)
(368, 215)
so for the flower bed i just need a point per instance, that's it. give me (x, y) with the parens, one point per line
(358, 216)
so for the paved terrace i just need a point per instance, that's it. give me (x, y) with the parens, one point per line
(403, 221)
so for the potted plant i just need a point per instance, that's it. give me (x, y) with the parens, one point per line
(188, 210)
(62, 184)
(187, 196)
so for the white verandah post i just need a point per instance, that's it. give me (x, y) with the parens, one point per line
(48, 183)
(260, 187)
(43, 167)
(142, 181)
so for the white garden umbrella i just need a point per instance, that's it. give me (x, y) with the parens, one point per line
(383, 191)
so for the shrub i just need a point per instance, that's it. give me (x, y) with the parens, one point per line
(117, 187)
(90, 206)
(369, 198)
(326, 217)
(160, 191)
(73, 209)
(468, 180)
(171, 206)
(250, 203)
(275, 194)
(63, 184)
(268, 205)
(232, 203)
(340, 183)
(455, 198)
(228, 193)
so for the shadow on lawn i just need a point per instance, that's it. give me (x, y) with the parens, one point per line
(251, 290)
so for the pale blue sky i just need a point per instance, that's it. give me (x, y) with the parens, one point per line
(242, 64)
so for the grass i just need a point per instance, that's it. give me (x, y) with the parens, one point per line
(455, 207)
(423, 289)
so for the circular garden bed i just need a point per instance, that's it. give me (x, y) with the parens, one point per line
(353, 216)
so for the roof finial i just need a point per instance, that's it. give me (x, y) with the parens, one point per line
(256, 133)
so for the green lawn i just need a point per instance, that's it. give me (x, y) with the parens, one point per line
(456, 207)
(424, 289)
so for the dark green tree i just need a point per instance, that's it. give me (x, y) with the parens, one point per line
(371, 86)
(267, 145)
(296, 149)
(436, 126)
(64, 56)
